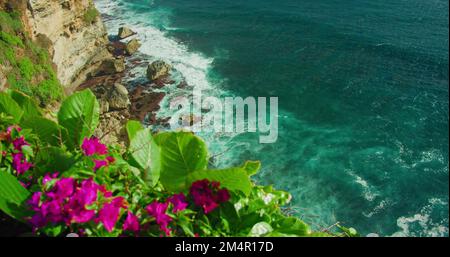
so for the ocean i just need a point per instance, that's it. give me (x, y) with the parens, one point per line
(363, 98)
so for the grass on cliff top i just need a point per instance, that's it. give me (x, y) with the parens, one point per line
(26, 64)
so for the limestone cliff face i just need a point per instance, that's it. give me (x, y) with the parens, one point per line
(77, 34)
(72, 32)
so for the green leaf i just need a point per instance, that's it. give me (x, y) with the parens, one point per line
(28, 105)
(12, 195)
(182, 153)
(234, 179)
(145, 153)
(79, 114)
(133, 127)
(48, 131)
(293, 226)
(54, 159)
(10, 107)
(252, 167)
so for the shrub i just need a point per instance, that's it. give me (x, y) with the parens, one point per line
(26, 68)
(32, 74)
(59, 179)
(48, 90)
(11, 39)
(10, 22)
(90, 15)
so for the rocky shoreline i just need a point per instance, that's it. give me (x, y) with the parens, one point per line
(120, 101)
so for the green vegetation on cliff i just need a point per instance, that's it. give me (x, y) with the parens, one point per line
(28, 65)
(90, 15)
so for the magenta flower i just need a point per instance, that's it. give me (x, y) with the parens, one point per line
(38, 221)
(131, 223)
(87, 193)
(82, 215)
(110, 159)
(99, 164)
(52, 210)
(207, 195)
(93, 146)
(10, 129)
(35, 201)
(19, 142)
(179, 202)
(49, 177)
(109, 214)
(20, 164)
(72, 202)
(63, 188)
(223, 195)
(158, 211)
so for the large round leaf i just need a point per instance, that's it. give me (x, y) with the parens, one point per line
(27, 104)
(181, 154)
(79, 114)
(10, 107)
(48, 131)
(12, 195)
(234, 179)
(144, 152)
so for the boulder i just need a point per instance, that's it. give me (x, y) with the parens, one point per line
(132, 46)
(158, 69)
(111, 66)
(125, 32)
(118, 97)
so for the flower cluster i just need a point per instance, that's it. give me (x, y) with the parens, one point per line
(69, 201)
(159, 210)
(93, 146)
(208, 195)
(19, 161)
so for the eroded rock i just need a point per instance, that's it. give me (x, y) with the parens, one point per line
(158, 69)
(132, 46)
(118, 97)
(125, 32)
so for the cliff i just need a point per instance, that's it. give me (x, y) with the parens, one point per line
(70, 30)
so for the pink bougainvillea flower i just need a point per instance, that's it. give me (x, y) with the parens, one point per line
(88, 192)
(100, 164)
(69, 201)
(158, 211)
(35, 201)
(10, 129)
(207, 195)
(131, 223)
(38, 221)
(20, 164)
(81, 215)
(49, 177)
(93, 146)
(52, 210)
(19, 142)
(110, 159)
(109, 214)
(223, 195)
(63, 188)
(179, 202)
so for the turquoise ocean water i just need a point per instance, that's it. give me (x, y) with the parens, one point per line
(363, 97)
